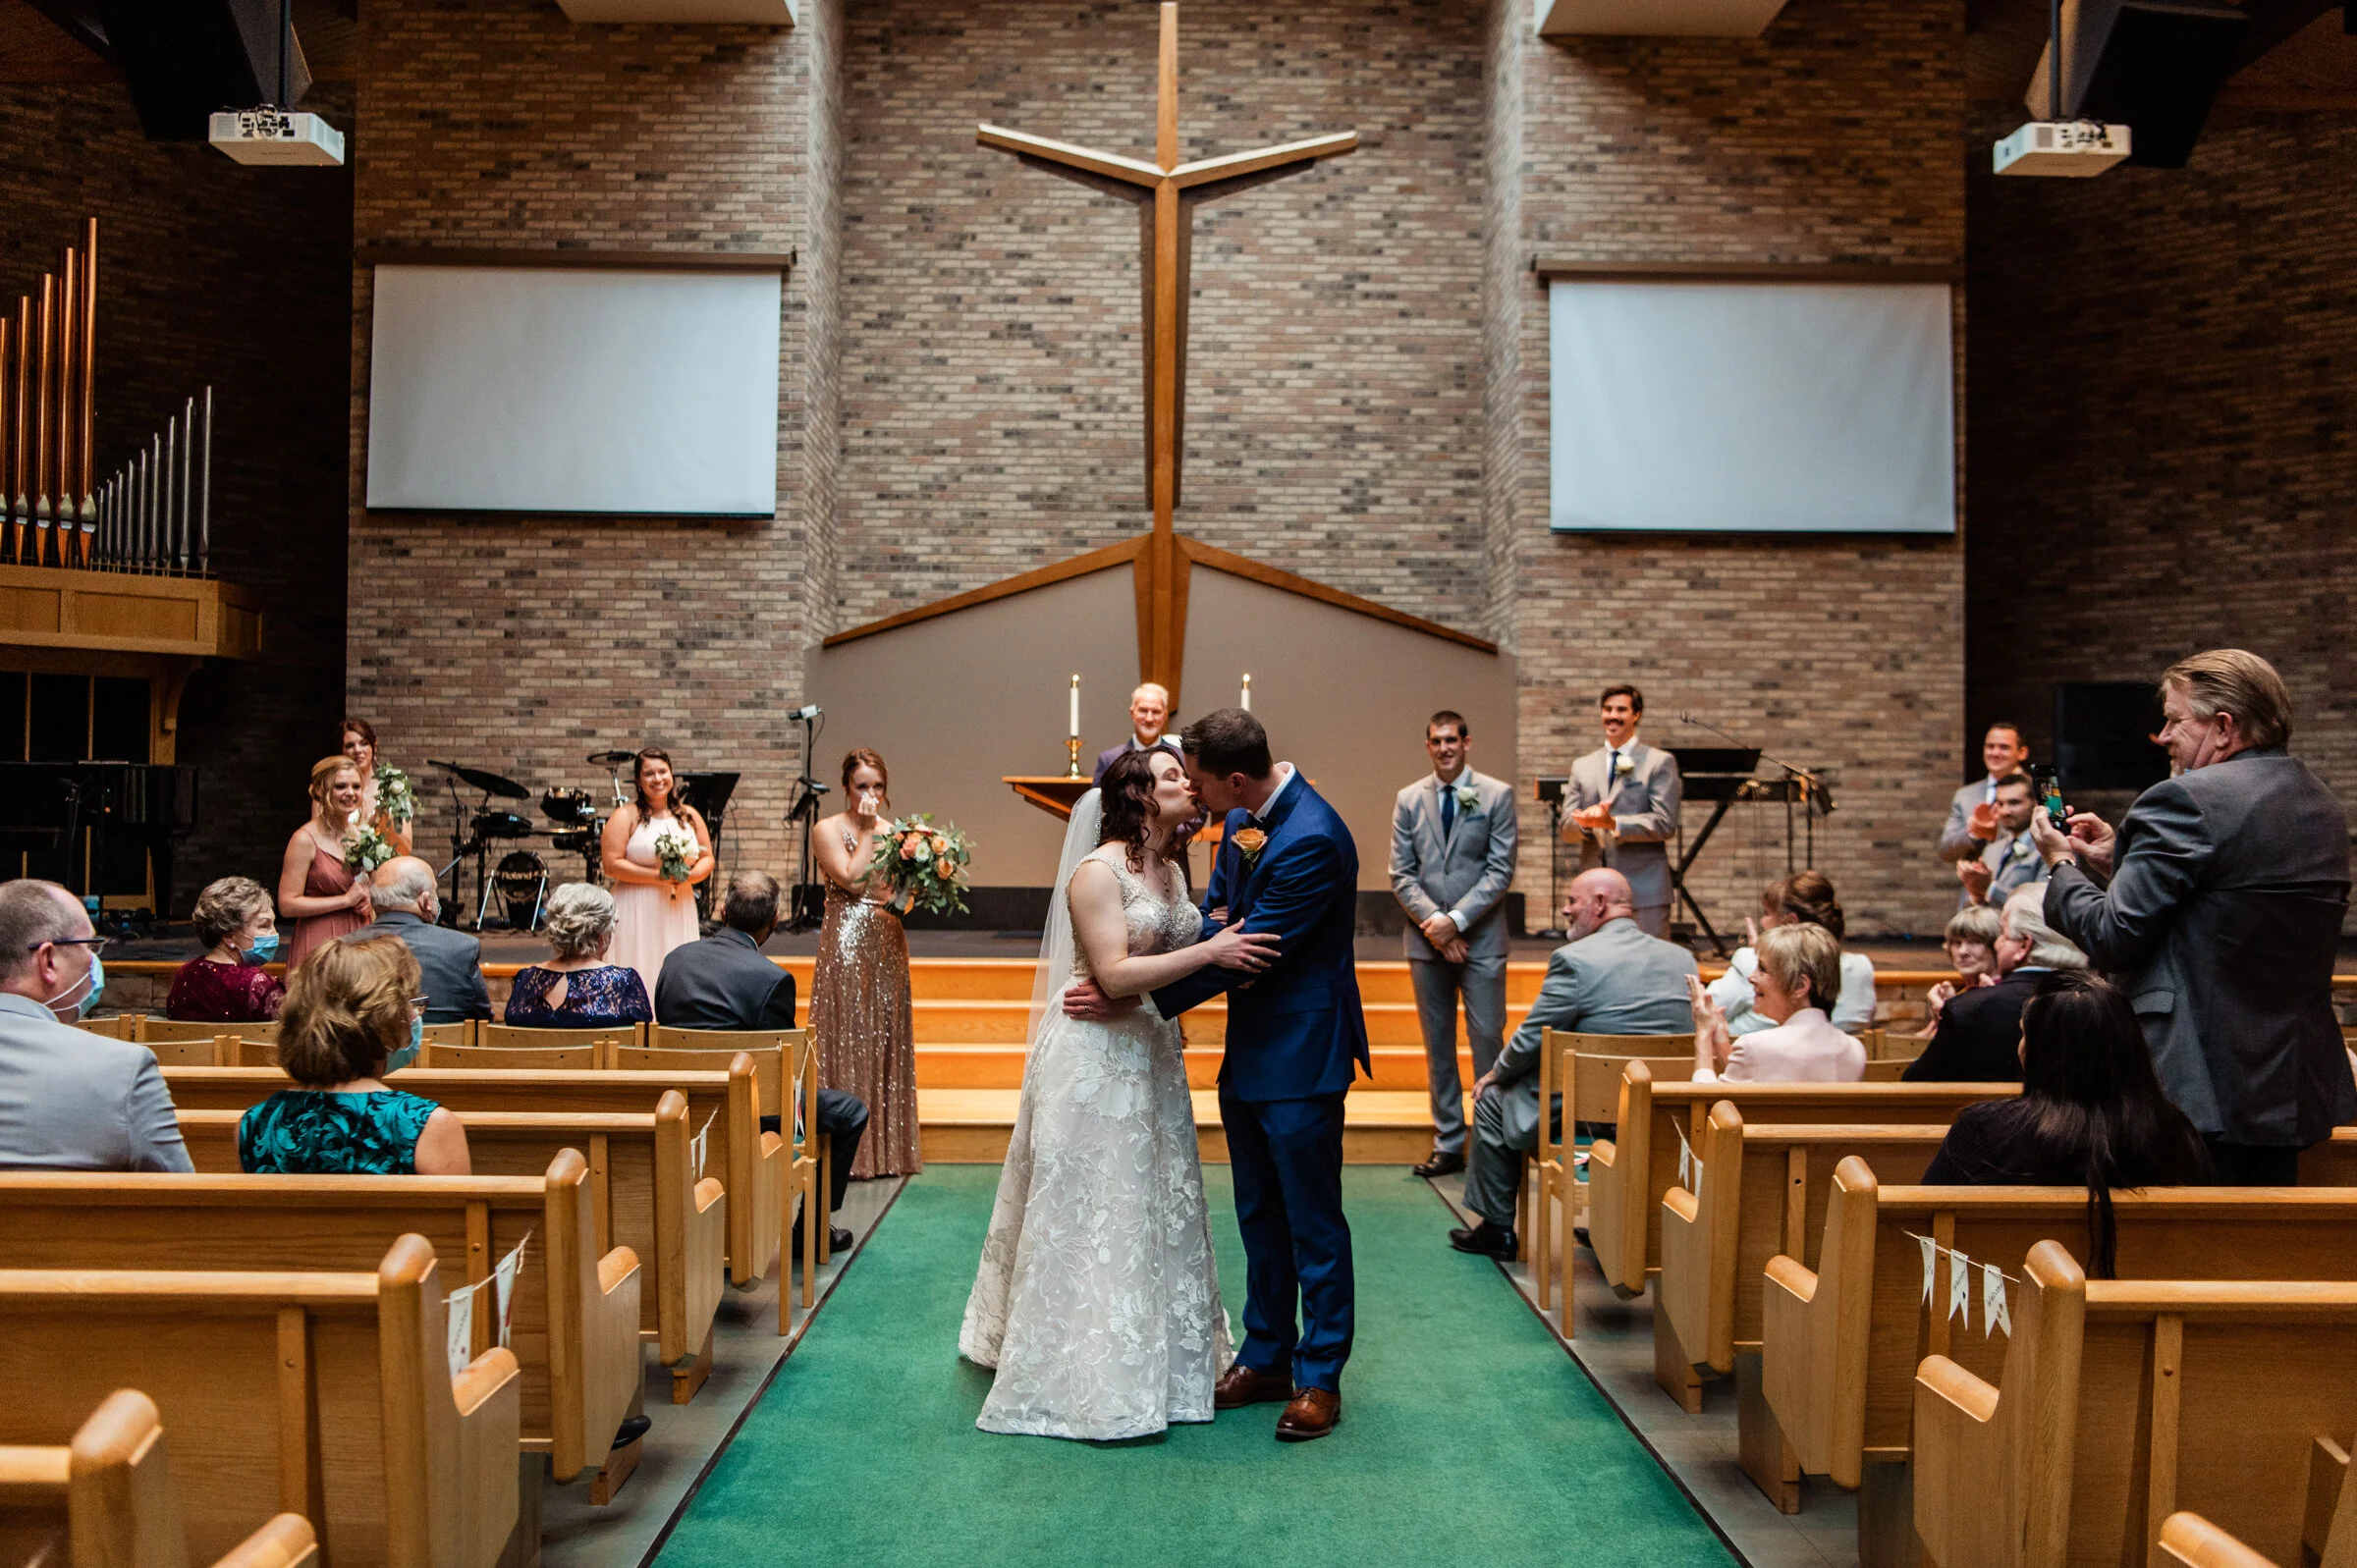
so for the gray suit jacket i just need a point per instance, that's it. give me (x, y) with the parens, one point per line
(2222, 919)
(1465, 873)
(1112, 754)
(453, 962)
(723, 982)
(74, 1101)
(2013, 864)
(1614, 981)
(1956, 842)
(1645, 802)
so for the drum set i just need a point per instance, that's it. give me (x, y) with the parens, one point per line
(518, 882)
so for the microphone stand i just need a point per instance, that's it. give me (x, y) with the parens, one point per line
(1816, 796)
(809, 903)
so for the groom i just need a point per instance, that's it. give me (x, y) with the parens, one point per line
(1287, 867)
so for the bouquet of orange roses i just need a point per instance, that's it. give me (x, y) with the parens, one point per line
(924, 864)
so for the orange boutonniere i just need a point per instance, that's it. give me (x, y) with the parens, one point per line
(1249, 843)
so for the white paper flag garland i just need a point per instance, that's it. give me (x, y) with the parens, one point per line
(503, 1283)
(1959, 1286)
(462, 1329)
(1689, 1164)
(1993, 1302)
(1931, 1250)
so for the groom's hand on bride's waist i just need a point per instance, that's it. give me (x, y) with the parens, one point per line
(1086, 999)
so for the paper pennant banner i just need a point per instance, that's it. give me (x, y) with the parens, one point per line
(702, 1143)
(1686, 1163)
(462, 1329)
(503, 1283)
(1698, 1175)
(1993, 1302)
(1959, 1286)
(798, 1107)
(1931, 1250)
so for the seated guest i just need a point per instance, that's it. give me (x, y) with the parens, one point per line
(227, 982)
(1609, 979)
(1805, 897)
(576, 988)
(352, 1014)
(2009, 860)
(407, 904)
(1971, 943)
(724, 983)
(69, 1100)
(1797, 978)
(2091, 1112)
(1979, 1038)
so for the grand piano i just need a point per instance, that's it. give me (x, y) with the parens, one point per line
(97, 826)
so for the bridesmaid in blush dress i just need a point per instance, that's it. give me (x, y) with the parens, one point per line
(651, 914)
(859, 1005)
(316, 890)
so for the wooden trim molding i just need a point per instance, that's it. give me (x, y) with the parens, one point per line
(1747, 271)
(392, 255)
(1246, 566)
(1006, 588)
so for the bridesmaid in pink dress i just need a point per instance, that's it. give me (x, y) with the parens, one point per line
(651, 914)
(322, 896)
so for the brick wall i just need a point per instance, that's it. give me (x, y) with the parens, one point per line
(993, 417)
(521, 645)
(2161, 409)
(210, 272)
(1842, 654)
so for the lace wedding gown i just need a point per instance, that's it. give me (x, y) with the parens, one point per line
(1097, 1300)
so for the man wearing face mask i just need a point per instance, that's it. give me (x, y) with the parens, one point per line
(69, 1100)
(406, 905)
(2218, 906)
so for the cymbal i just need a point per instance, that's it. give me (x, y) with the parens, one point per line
(489, 782)
(610, 759)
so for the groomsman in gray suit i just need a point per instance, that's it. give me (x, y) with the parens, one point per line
(1623, 807)
(1452, 856)
(1972, 814)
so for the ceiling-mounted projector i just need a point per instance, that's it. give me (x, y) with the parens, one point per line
(2067, 148)
(277, 136)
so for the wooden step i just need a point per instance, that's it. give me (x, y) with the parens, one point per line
(971, 1126)
(1006, 1023)
(1009, 979)
(1001, 1066)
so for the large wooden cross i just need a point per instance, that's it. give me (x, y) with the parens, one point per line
(1165, 192)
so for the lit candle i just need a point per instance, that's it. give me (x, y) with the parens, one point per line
(1075, 706)
(1247, 702)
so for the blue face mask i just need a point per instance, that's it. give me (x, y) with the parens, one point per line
(264, 949)
(86, 994)
(407, 1055)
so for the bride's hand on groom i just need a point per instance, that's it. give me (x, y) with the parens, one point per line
(1235, 948)
(1085, 998)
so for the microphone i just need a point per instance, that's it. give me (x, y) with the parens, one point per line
(805, 712)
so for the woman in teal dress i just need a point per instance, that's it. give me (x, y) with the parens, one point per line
(352, 1014)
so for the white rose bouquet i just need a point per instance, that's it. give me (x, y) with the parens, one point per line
(365, 850)
(676, 853)
(396, 795)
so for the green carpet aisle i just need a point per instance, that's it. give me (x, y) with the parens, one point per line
(1468, 1436)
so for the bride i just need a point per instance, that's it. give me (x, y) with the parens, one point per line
(1097, 1300)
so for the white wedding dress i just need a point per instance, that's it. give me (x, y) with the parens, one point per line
(1097, 1299)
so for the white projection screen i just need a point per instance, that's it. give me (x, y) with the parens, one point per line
(573, 390)
(1751, 407)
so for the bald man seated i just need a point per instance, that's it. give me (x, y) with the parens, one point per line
(1609, 979)
(407, 904)
(1149, 727)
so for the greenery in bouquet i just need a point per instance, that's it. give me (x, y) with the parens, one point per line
(924, 864)
(676, 854)
(366, 849)
(395, 797)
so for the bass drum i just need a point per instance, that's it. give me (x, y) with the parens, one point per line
(568, 808)
(521, 882)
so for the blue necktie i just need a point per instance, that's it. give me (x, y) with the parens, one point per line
(1448, 810)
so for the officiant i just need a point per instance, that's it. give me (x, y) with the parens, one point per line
(1149, 727)
(1622, 807)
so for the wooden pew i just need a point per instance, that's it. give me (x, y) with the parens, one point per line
(512, 1036)
(153, 1031)
(2333, 1163)
(746, 1158)
(325, 1395)
(104, 1499)
(1766, 1193)
(1586, 1070)
(2123, 1400)
(1841, 1343)
(575, 1313)
(587, 1056)
(2188, 1540)
(644, 1192)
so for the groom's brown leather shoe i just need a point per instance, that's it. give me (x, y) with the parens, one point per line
(1312, 1414)
(1242, 1385)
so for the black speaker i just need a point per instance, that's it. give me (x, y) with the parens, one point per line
(2102, 734)
(184, 58)
(2154, 66)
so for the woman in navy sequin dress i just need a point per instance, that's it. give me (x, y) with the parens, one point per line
(576, 988)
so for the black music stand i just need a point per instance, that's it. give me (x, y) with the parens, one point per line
(1721, 775)
(1551, 791)
(708, 793)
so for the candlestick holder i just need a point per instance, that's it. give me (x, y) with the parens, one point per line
(1072, 745)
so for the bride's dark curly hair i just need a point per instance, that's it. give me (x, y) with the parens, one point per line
(1127, 801)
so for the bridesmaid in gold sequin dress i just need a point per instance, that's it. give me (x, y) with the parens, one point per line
(859, 989)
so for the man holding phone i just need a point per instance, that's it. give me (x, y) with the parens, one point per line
(2008, 861)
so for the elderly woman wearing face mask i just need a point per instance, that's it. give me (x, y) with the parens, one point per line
(227, 982)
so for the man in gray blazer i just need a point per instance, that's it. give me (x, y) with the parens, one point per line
(1609, 979)
(69, 1100)
(1452, 856)
(408, 905)
(1972, 815)
(2217, 905)
(2009, 862)
(1623, 807)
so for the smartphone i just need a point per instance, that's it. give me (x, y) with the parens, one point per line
(2048, 785)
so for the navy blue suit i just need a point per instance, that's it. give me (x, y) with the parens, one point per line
(1295, 1032)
